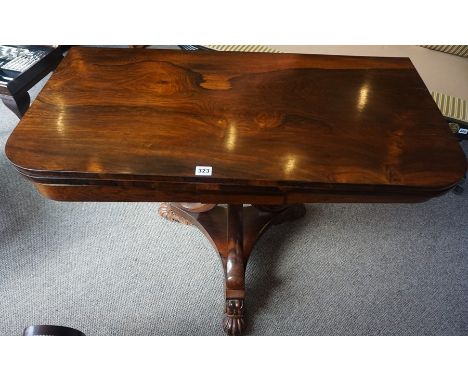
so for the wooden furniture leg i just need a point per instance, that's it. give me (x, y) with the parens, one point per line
(233, 231)
(18, 104)
(234, 263)
(51, 330)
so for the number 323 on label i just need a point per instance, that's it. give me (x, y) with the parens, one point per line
(203, 170)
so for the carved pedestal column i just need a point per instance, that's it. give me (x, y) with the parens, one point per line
(233, 232)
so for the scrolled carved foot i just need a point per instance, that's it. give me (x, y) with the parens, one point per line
(167, 212)
(233, 322)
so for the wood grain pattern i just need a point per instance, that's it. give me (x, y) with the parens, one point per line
(277, 129)
(131, 125)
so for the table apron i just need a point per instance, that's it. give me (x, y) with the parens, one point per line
(123, 193)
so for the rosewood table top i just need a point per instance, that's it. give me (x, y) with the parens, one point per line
(208, 128)
(133, 125)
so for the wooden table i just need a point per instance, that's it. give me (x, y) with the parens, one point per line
(269, 130)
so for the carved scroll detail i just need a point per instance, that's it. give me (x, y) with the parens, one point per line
(166, 211)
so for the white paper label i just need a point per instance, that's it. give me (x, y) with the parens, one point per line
(463, 131)
(203, 170)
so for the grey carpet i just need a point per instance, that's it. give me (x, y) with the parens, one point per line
(119, 269)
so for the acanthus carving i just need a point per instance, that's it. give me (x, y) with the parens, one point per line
(233, 322)
(167, 212)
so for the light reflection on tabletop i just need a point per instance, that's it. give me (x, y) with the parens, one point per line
(290, 163)
(231, 137)
(363, 97)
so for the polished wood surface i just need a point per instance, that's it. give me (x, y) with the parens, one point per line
(277, 129)
(132, 124)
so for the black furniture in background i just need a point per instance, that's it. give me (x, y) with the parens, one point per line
(21, 67)
(51, 330)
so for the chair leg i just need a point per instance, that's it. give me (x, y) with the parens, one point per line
(51, 330)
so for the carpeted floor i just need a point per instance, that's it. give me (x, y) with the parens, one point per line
(119, 269)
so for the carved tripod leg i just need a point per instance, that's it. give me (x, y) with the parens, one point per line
(233, 232)
(251, 222)
(234, 270)
(167, 211)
